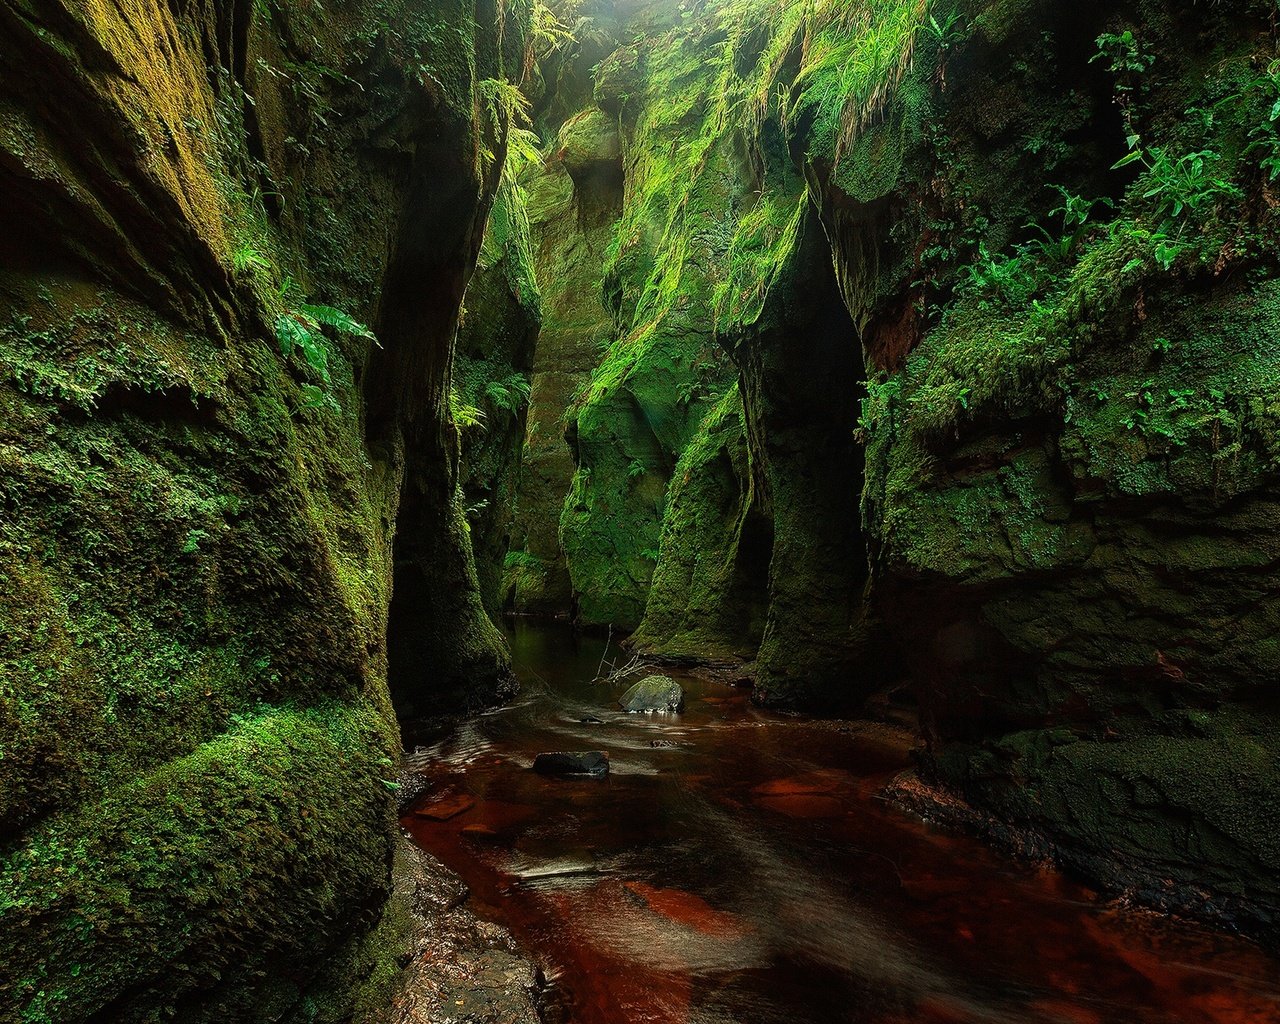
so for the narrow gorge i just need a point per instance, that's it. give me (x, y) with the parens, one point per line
(385, 387)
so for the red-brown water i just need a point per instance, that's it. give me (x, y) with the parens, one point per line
(748, 874)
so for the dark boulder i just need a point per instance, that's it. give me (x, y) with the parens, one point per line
(566, 764)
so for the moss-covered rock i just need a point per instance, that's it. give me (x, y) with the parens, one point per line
(571, 218)
(709, 592)
(1053, 252)
(1070, 488)
(202, 459)
(491, 375)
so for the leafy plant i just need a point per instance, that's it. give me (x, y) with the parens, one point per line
(464, 415)
(300, 328)
(1181, 184)
(1128, 60)
(508, 109)
(247, 257)
(1009, 280)
(947, 31)
(548, 32)
(1075, 222)
(881, 394)
(636, 469)
(510, 395)
(1264, 137)
(1126, 55)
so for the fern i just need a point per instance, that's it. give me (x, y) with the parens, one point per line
(508, 110)
(524, 149)
(549, 33)
(293, 332)
(337, 319)
(248, 257)
(301, 329)
(464, 415)
(510, 395)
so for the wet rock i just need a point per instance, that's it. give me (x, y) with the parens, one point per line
(446, 805)
(653, 694)
(591, 720)
(573, 764)
(459, 967)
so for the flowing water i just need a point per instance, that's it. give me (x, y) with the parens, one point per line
(737, 866)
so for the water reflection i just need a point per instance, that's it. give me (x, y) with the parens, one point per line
(736, 866)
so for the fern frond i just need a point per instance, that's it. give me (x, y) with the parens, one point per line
(337, 319)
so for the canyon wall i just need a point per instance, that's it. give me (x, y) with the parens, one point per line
(996, 434)
(211, 474)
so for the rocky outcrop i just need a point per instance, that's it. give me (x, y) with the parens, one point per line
(573, 203)
(709, 594)
(1002, 275)
(1070, 483)
(211, 475)
(491, 381)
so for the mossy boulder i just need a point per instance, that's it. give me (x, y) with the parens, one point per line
(653, 694)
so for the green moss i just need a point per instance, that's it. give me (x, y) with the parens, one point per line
(490, 372)
(707, 597)
(197, 730)
(267, 829)
(1071, 460)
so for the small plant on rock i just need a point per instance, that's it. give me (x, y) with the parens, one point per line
(300, 328)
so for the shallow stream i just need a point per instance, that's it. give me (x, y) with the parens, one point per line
(737, 866)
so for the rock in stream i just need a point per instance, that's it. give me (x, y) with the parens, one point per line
(653, 694)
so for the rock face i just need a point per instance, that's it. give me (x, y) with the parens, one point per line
(573, 202)
(997, 420)
(653, 694)
(1071, 475)
(491, 378)
(211, 477)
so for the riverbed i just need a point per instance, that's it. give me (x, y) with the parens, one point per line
(739, 865)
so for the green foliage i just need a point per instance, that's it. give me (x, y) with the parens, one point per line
(328, 316)
(1124, 53)
(766, 235)
(247, 257)
(1002, 280)
(464, 415)
(1181, 185)
(1264, 136)
(1075, 224)
(946, 31)
(877, 406)
(521, 559)
(511, 394)
(549, 34)
(507, 110)
(301, 328)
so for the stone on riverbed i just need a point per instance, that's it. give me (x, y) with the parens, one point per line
(653, 693)
(593, 764)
